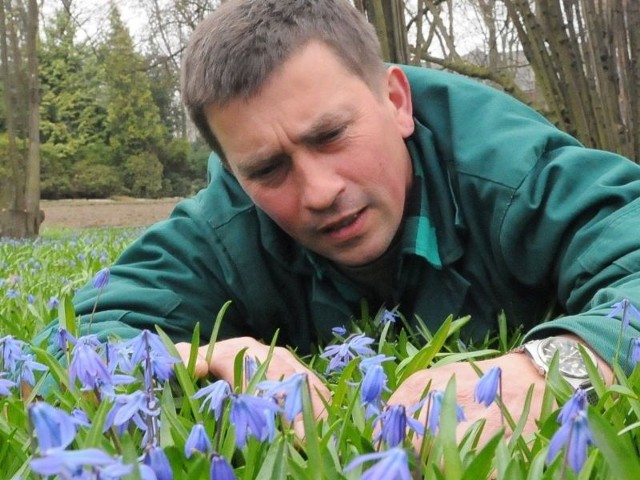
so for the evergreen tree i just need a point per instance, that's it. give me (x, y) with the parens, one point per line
(134, 129)
(72, 119)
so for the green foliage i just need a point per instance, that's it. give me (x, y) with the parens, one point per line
(133, 120)
(95, 180)
(52, 266)
(105, 112)
(143, 175)
(62, 261)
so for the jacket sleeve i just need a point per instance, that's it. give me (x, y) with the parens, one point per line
(575, 221)
(554, 216)
(170, 278)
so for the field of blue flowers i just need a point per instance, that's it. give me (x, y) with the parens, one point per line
(77, 408)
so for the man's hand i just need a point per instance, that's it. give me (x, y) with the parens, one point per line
(518, 374)
(283, 364)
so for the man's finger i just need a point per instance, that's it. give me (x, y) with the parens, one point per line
(201, 369)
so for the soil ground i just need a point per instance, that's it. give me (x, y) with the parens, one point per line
(126, 212)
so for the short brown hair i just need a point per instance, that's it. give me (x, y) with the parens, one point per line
(233, 51)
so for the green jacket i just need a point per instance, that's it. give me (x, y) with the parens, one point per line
(521, 219)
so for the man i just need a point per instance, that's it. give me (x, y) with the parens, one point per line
(336, 178)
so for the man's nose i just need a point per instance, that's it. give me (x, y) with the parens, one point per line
(320, 183)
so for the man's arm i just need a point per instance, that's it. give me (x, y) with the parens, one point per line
(169, 277)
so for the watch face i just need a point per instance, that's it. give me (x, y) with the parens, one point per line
(570, 361)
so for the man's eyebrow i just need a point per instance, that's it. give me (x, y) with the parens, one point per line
(252, 165)
(311, 136)
(322, 125)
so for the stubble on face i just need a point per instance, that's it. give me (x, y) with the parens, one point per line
(323, 155)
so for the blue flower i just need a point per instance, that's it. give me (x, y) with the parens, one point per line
(149, 351)
(53, 303)
(11, 352)
(393, 464)
(157, 460)
(434, 403)
(198, 441)
(635, 351)
(575, 405)
(374, 382)
(80, 417)
(101, 279)
(55, 428)
(250, 368)
(87, 366)
(291, 388)
(220, 468)
(214, 394)
(341, 355)
(114, 471)
(129, 407)
(339, 331)
(488, 385)
(575, 436)
(395, 420)
(63, 339)
(5, 385)
(31, 299)
(68, 463)
(388, 317)
(626, 310)
(118, 356)
(254, 415)
(11, 293)
(27, 365)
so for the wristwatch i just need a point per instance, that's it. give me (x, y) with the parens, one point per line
(570, 362)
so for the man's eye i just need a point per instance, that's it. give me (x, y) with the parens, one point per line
(265, 172)
(330, 135)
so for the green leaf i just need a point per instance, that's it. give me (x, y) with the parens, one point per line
(184, 379)
(615, 449)
(312, 445)
(67, 315)
(274, 464)
(447, 432)
(193, 352)
(482, 463)
(426, 354)
(95, 434)
(215, 330)
(56, 369)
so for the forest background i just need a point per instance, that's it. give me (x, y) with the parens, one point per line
(91, 105)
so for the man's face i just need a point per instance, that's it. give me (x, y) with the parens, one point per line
(323, 155)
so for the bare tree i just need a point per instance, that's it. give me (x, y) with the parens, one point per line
(387, 16)
(576, 61)
(20, 215)
(585, 54)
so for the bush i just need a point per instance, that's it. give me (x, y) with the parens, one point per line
(143, 175)
(92, 180)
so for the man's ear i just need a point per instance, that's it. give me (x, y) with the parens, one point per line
(398, 93)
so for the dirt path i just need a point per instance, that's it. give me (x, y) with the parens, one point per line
(105, 213)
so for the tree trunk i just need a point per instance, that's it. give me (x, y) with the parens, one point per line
(585, 56)
(20, 214)
(11, 202)
(32, 180)
(387, 16)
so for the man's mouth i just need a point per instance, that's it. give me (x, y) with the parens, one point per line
(342, 223)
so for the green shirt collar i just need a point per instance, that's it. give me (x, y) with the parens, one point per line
(419, 236)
